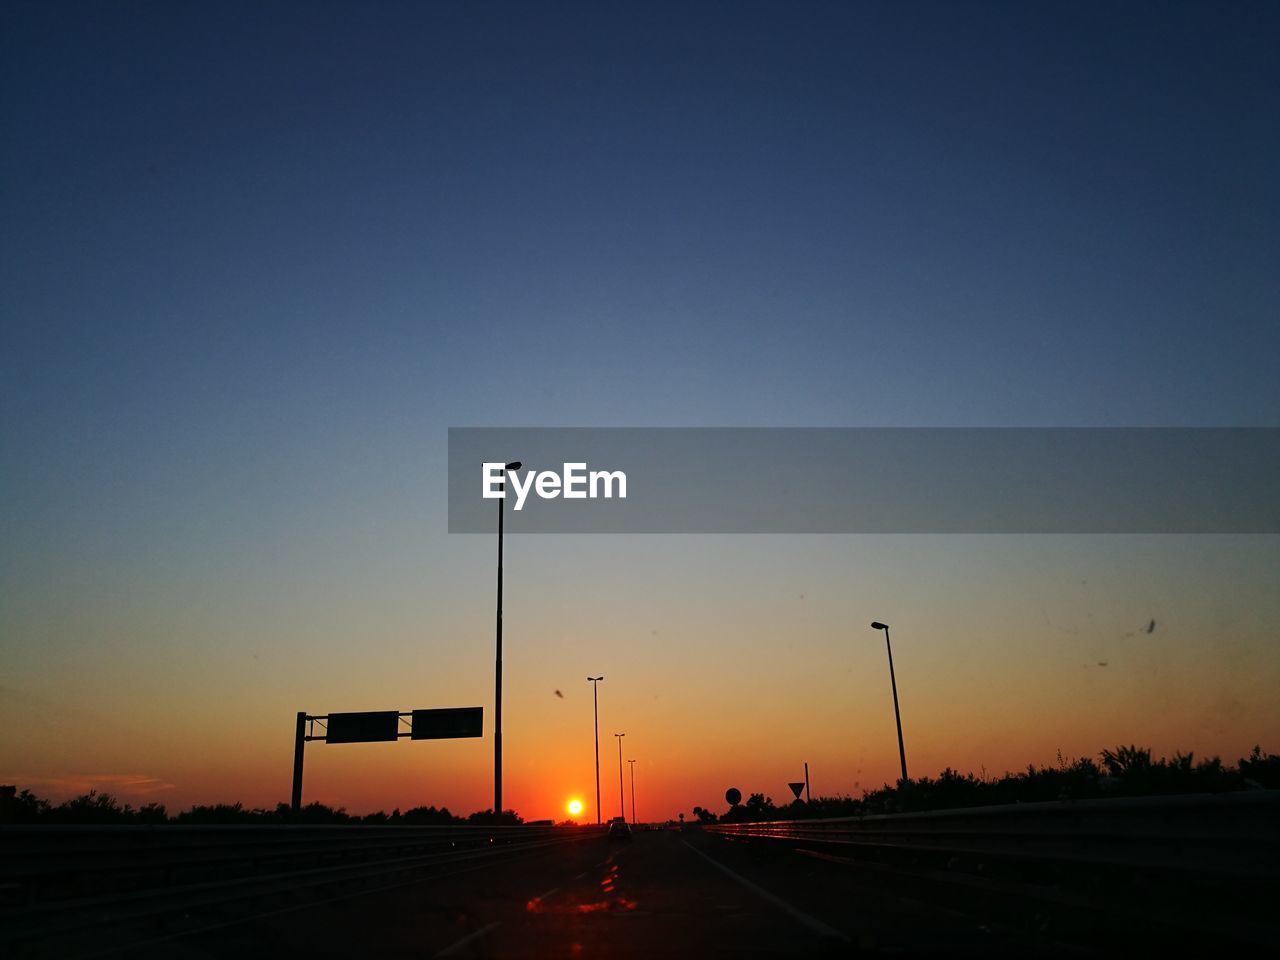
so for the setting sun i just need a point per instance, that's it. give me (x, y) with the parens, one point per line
(575, 807)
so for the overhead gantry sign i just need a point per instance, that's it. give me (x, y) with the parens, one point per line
(375, 726)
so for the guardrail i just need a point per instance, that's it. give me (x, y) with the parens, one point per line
(1206, 863)
(1228, 833)
(60, 882)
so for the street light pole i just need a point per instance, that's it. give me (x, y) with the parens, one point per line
(622, 805)
(497, 671)
(595, 703)
(633, 791)
(902, 753)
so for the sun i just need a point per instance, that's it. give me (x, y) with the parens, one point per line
(574, 807)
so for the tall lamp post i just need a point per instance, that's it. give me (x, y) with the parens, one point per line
(622, 804)
(497, 683)
(902, 753)
(595, 703)
(633, 791)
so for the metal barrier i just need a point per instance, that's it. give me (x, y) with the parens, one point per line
(59, 881)
(1231, 833)
(1203, 863)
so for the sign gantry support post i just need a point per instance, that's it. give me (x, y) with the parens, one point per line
(299, 742)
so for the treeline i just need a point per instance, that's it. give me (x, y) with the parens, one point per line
(1123, 772)
(102, 808)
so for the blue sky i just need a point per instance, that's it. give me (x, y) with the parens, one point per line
(257, 258)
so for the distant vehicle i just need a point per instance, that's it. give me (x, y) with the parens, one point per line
(619, 830)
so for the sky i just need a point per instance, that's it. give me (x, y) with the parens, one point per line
(257, 258)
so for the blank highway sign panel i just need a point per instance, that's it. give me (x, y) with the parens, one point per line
(362, 727)
(448, 723)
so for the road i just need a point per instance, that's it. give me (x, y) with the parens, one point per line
(666, 893)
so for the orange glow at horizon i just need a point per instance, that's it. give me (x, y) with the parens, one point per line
(1008, 652)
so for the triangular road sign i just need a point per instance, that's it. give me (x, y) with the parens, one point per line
(796, 788)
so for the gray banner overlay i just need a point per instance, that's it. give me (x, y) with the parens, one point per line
(880, 480)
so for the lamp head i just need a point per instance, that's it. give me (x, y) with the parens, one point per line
(514, 465)
(877, 625)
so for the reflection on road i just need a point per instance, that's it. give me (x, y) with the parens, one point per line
(611, 896)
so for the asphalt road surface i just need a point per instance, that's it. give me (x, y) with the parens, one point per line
(665, 894)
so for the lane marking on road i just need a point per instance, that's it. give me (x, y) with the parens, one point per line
(799, 916)
(455, 947)
(542, 896)
(581, 875)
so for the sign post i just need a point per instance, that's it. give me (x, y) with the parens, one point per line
(300, 741)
